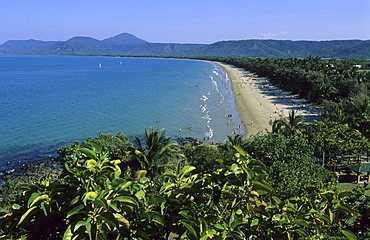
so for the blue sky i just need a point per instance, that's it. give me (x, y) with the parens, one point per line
(185, 21)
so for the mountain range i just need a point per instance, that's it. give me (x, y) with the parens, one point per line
(129, 45)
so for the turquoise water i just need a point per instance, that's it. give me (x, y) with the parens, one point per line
(50, 101)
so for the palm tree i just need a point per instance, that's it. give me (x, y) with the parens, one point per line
(157, 151)
(338, 115)
(362, 115)
(292, 125)
(232, 140)
(236, 140)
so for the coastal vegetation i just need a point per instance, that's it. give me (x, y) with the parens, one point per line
(268, 187)
(282, 184)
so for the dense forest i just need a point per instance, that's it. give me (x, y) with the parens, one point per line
(282, 184)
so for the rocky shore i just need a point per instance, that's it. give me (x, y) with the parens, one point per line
(33, 172)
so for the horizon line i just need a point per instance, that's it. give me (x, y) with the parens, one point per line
(228, 40)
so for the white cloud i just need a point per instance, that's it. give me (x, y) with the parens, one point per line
(283, 32)
(268, 35)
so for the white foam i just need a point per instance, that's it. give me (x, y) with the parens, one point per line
(203, 108)
(204, 98)
(215, 84)
(207, 117)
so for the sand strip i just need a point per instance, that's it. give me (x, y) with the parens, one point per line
(259, 102)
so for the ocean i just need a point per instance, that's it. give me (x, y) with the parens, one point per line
(47, 102)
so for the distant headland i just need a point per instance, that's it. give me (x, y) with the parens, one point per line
(126, 44)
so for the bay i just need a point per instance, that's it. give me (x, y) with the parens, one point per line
(50, 101)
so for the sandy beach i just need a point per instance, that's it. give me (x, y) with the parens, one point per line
(259, 102)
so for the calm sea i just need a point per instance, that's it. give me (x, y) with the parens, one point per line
(50, 101)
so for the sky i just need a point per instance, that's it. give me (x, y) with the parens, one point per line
(185, 21)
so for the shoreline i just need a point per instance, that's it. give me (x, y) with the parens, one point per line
(260, 103)
(257, 101)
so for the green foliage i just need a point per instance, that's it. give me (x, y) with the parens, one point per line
(273, 147)
(359, 200)
(94, 200)
(217, 205)
(333, 140)
(293, 125)
(156, 152)
(361, 115)
(292, 168)
(203, 157)
(41, 204)
(118, 146)
(308, 217)
(8, 192)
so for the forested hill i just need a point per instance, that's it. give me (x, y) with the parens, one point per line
(287, 48)
(128, 44)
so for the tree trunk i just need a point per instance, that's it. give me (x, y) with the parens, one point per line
(323, 158)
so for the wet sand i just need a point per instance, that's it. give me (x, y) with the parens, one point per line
(259, 103)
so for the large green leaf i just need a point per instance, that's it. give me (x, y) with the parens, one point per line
(261, 188)
(185, 170)
(101, 202)
(157, 218)
(192, 233)
(344, 194)
(90, 196)
(167, 186)
(254, 222)
(301, 232)
(239, 149)
(219, 227)
(89, 153)
(27, 214)
(109, 218)
(345, 209)
(16, 206)
(140, 194)
(156, 200)
(185, 214)
(350, 235)
(95, 147)
(170, 174)
(114, 206)
(68, 233)
(140, 174)
(126, 185)
(32, 198)
(77, 226)
(122, 220)
(300, 223)
(125, 199)
(75, 210)
(43, 207)
(91, 229)
(203, 226)
(91, 163)
(237, 235)
(277, 200)
(116, 182)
